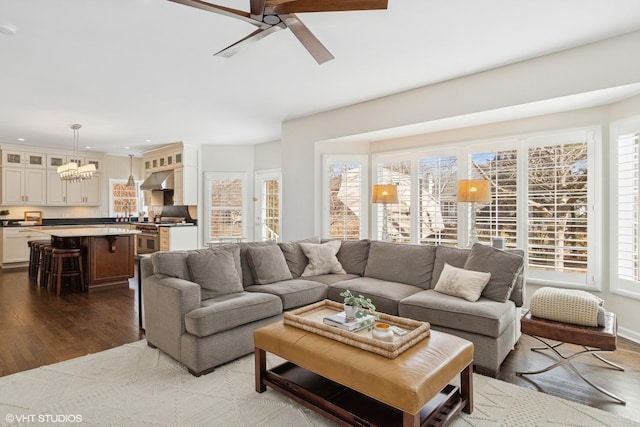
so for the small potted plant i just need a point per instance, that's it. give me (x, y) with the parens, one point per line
(358, 307)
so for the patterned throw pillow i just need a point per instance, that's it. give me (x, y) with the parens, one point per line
(462, 283)
(322, 258)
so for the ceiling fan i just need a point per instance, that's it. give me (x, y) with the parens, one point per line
(274, 15)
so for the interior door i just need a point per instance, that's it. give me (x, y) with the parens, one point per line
(268, 205)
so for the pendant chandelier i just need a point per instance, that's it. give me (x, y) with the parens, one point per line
(70, 171)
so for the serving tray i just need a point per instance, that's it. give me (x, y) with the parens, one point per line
(310, 318)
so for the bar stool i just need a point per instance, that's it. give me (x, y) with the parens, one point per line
(46, 250)
(34, 257)
(66, 264)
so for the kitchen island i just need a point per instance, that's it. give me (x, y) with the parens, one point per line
(108, 254)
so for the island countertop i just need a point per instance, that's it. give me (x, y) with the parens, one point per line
(84, 231)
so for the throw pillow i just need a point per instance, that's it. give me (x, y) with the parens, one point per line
(461, 283)
(296, 259)
(503, 266)
(322, 258)
(171, 264)
(453, 256)
(215, 271)
(353, 255)
(389, 261)
(247, 275)
(267, 264)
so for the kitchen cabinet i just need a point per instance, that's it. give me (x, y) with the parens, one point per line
(178, 237)
(65, 193)
(185, 186)
(85, 193)
(24, 186)
(23, 158)
(15, 251)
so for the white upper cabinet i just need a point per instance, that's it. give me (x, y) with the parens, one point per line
(23, 158)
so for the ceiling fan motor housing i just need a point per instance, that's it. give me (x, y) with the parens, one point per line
(271, 19)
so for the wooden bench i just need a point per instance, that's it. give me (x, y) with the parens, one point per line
(593, 340)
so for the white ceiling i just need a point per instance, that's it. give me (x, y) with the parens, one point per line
(136, 70)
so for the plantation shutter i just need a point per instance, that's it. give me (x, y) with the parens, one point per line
(438, 209)
(628, 208)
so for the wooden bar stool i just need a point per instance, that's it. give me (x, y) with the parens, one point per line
(66, 264)
(34, 257)
(45, 265)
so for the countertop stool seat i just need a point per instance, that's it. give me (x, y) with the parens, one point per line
(66, 268)
(594, 340)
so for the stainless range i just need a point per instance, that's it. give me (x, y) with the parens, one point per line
(148, 240)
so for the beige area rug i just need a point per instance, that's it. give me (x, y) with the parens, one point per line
(134, 385)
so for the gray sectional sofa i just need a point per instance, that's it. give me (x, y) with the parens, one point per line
(202, 306)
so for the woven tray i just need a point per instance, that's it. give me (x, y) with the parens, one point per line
(310, 318)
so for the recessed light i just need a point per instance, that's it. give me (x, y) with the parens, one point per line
(87, 147)
(147, 140)
(21, 139)
(126, 148)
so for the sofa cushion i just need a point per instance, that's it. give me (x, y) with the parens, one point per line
(247, 275)
(353, 255)
(461, 283)
(455, 257)
(295, 292)
(322, 258)
(384, 294)
(329, 279)
(267, 264)
(296, 259)
(228, 311)
(215, 271)
(504, 268)
(400, 262)
(484, 317)
(171, 264)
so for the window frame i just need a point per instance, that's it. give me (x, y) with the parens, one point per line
(327, 161)
(626, 288)
(212, 176)
(139, 197)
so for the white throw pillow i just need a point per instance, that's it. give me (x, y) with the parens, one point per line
(462, 283)
(322, 258)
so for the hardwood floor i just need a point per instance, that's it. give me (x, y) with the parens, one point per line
(38, 328)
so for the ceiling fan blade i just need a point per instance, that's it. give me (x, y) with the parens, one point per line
(221, 10)
(248, 41)
(320, 53)
(257, 9)
(277, 7)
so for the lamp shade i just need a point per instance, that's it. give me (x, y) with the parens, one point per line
(384, 193)
(474, 190)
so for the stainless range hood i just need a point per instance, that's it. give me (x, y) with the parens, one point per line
(162, 180)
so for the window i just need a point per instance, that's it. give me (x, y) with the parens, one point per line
(124, 201)
(437, 206)
(543, 200)
(345, 201)
(395, 220)
(226, 206)
(499, 217)
(268, 208)
(558, 209)
(625, 246)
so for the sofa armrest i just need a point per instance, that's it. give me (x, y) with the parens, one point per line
(166, 302)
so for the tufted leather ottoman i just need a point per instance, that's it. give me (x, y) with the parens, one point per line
(343, 382)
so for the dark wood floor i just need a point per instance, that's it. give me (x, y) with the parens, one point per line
(38, 328)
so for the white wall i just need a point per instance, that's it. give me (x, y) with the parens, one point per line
(268, 156)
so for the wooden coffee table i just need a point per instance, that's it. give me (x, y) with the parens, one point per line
(351, 386)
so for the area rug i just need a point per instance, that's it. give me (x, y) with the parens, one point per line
(136, 385)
